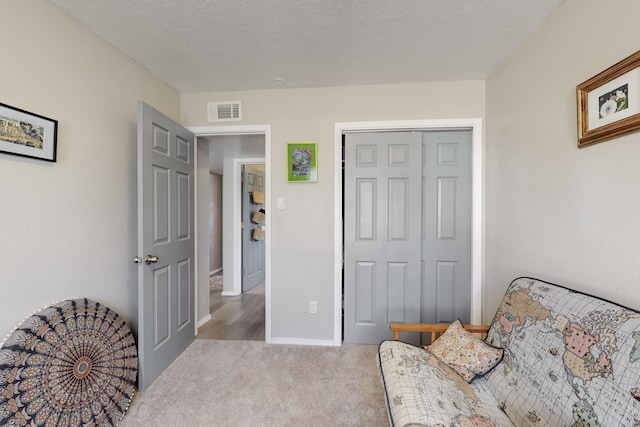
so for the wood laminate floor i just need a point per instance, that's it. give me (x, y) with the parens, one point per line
(235, 318)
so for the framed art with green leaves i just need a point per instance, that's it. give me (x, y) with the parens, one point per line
(302, 162)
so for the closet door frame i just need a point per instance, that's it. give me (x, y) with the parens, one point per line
(477, 178)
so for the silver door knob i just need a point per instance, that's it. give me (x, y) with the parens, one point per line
(137, 260)
(151, 259)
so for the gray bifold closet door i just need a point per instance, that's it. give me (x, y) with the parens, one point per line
(407, 231)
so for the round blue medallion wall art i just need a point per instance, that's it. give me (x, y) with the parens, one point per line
(74, 363)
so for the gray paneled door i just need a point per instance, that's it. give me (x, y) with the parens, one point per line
(407, 231)
(253, 257)
(446, 247)
(166, 279)
(382, 217)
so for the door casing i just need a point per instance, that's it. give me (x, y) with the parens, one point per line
(477, 174)
(201, 131)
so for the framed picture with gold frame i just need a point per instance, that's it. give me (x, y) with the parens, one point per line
(609, 103)
(302, 162)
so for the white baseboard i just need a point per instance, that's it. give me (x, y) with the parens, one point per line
(204, 320)
(304, 341)
(213, 272)
(230, 294)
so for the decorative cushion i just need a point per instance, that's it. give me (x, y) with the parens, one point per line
(464, 352)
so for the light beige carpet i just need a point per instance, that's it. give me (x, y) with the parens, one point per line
(250, 383)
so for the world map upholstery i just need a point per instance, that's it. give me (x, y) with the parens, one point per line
(441, 397)
(569, 359)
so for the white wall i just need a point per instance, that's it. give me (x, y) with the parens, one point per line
(231, 245)
(554, 211)
(68, 229)
(302, 234)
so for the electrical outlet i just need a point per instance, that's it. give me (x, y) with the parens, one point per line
(313, 307)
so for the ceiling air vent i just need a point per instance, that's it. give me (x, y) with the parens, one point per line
(224, 111)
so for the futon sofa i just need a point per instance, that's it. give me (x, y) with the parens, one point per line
(568, 359)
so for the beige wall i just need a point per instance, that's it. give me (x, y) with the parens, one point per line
(302, 233)
(554, 211)
(68, 229)
(215, 222)
(204, 230)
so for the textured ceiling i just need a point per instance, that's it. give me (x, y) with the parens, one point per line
(219, 45)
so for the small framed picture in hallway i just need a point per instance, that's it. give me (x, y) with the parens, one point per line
(302, 162)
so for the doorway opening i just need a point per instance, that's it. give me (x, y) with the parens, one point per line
(227, 150)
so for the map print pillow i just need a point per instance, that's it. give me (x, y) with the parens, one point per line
(464, 352)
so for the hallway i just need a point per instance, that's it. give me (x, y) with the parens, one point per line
(235, 318)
